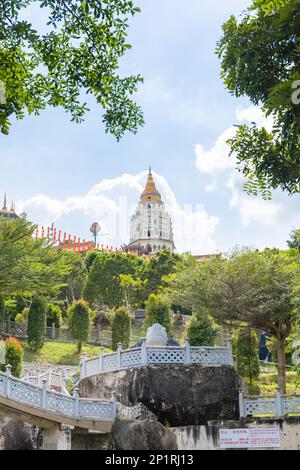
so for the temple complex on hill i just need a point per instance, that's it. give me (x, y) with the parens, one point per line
(151, 225)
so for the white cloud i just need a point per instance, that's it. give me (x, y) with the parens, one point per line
(254, 114)
(217, 158)
(252, 209)
(111, 202)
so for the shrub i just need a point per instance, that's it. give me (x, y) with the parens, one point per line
(36, 326)
(120, 328)
(2, 313)
(54, 315)
(14, 354)
(201, 331)
(158, 311)
(245, 348)
(22, 317)
(79, 321)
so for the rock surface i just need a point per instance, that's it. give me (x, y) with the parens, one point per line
(15, 435)
(179, 395)
(142, 435)
(138, 412)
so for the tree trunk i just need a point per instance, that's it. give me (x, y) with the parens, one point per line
(79, 347)
(281, 364)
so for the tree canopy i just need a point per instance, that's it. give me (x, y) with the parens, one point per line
(77, 51)
(29, 265)
(261, 60)
(104, 283)
(260, 289)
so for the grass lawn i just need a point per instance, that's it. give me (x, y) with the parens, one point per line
(267, 384)
(59, 353)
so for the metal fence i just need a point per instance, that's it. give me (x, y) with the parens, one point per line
(97, 336)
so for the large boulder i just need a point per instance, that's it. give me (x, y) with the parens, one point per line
(142, 435)
(15, 435)
(179, 395)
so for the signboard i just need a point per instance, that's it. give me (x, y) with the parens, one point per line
(249, 438)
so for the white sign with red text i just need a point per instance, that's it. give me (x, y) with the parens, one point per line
(249, 438)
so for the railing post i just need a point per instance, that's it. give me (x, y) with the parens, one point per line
(7, 379)
(101, 360)
(187, 351)
(114, 403)
(76, 402)
(241, 404)
(26, 374)
(53, 331)
(144, 354)
(44, 394)
(230, 353)
(83, 360)
(119, 351)
(279, 411)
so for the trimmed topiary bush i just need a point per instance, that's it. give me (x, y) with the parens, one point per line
(22, 317)
(54, 315)
(36, 327)
(79, 315)
(14, 355)
(245, 348)
(201, 331)
(120, 328)
(158, 310)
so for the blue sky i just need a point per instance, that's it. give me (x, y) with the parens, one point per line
(72, 175)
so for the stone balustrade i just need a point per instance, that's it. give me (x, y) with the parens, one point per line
(40, 397)
(269, 405)
(138, 357)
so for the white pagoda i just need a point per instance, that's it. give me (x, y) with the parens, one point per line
(151, 226)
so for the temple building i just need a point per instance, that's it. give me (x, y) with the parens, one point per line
(8, 213)
(151, 226)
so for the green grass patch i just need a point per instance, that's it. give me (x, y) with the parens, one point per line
(267, 384)
(59, 353)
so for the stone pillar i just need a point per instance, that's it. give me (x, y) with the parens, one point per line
(101, 360)
(187, 352)
(241, 404)
(53, 331)
(279, 410)
(119, 351)
(230, 353)
(57, 437)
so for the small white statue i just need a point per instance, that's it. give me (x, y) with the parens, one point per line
(156, 335)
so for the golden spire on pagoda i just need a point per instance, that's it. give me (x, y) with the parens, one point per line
(150, 193)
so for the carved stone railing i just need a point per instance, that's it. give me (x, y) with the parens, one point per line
(138, 357)
(43, 399)
(54, 375)
(270, 405)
